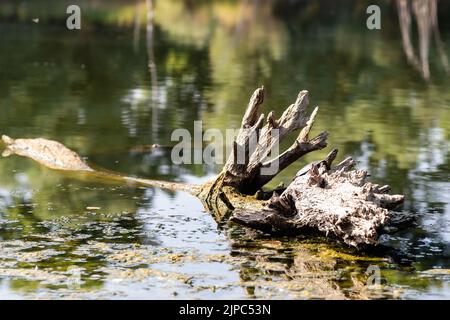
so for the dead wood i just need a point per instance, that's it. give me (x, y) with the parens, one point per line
(337, 201)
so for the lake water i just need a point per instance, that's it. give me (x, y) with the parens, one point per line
(94, 91)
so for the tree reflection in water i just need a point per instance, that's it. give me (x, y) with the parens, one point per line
(426, 17)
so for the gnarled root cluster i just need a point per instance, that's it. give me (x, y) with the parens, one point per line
(337, 201)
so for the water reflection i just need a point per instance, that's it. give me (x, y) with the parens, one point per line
(96, 92)
(426, 16)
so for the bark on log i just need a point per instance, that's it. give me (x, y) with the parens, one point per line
(339, 202)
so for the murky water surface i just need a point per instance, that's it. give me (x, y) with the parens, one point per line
(66, 236)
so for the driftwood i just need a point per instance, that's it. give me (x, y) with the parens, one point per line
(50, 153)
(336, 201)
(55, 155)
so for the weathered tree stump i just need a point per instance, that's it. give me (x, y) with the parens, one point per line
(337, 201)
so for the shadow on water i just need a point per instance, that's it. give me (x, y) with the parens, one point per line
(108, 93)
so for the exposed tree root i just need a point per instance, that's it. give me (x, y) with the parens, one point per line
(338, 202)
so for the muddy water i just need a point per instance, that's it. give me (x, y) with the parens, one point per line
(70, 236)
